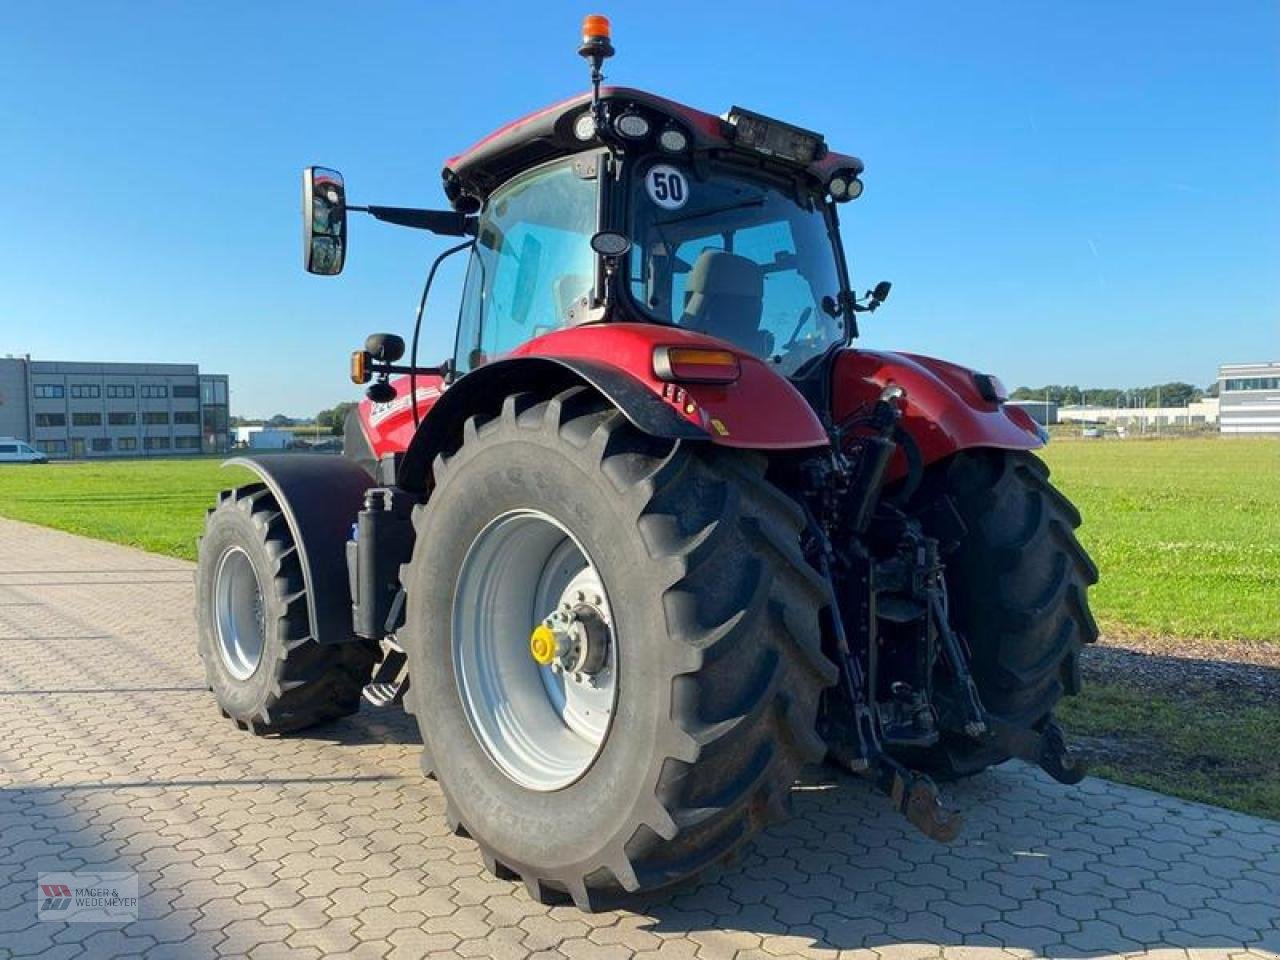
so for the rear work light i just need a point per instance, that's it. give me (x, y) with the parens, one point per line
(695, 365)
(991, 388)
(773, 137)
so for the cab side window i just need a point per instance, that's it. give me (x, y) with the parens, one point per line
(531, 261)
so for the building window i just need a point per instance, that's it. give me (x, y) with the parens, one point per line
(1252, 383)
(186, 443)
(186, 390)
(85, 391)
(126, 443)
(186, 416)
(122, 418)
(51, 419)
(49, 391)
(154, 392)
(156, 443)
(51, 446)
(100, 444)
(156, 417)
(86, 419)
(119, 391)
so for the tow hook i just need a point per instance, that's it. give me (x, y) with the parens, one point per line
(916, 797)
(1047, 750)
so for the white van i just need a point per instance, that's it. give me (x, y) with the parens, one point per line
(13, 450)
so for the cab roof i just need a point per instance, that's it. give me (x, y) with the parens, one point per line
(548, 133)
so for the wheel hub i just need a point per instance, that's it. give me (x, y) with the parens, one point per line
(575, 638)
(540, 703)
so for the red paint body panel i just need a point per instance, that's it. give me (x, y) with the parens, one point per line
(762, 410)
(389, 427)
(944, 411)
(489, 160)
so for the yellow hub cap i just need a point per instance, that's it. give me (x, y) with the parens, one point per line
(542, 644)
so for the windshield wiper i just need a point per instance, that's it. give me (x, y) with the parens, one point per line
(757, 201)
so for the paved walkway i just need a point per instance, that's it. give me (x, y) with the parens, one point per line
(112, 756)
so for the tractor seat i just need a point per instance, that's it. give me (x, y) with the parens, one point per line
(725, 298)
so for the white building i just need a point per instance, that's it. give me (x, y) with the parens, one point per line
(84, 410)
(1250, 395)
(1198, 413)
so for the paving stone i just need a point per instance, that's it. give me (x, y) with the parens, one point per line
(334, 845)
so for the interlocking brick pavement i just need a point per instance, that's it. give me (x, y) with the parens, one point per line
(112, 756)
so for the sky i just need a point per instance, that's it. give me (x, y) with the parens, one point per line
(1083, 192)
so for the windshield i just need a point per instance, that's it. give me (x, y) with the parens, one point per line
(738, 258)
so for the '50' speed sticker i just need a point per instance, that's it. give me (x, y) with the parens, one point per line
(667, 186)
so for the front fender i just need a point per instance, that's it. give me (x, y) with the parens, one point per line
(944, 411)
(320, 497)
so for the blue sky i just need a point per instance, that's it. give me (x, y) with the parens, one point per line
(1080, 192)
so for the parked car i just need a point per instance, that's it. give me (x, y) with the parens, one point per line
(13, 450)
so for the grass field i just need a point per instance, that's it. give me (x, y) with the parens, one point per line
(1191, 740)
(158, 505)
(1186, 532)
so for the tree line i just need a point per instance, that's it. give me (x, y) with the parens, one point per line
(1173, 394)
(331, 420)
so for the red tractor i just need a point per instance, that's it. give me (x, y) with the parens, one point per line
(657, 535)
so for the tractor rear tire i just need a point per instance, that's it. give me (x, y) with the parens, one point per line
(1017, 586)
(714, 626)
(265, 669)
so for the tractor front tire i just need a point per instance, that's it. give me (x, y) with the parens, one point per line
(265, 669)
(1017, 583)
(711, 659)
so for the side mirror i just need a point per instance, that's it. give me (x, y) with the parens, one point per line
(880, 292)
(324, 221)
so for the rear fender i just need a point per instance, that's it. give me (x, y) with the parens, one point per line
(320, 497)
(760, 411)
(483, 390)
(944, 411)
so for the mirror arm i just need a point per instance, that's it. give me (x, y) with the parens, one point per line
(444, 223)
(386, 369)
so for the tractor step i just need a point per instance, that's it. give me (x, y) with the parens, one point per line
(391, 679)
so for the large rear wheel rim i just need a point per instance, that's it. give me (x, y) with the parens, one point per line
(239, 618)
(542, 726)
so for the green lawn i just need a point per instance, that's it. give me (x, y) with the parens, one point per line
(1196, 743)
(158, 505)
(1186, 532)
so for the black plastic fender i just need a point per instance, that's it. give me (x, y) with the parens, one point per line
(320, 497)
(483, 389)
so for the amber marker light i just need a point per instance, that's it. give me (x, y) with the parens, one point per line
(360, 366)
(696, 365)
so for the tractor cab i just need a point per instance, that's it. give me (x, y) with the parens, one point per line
(725, 226)
(619, 206)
